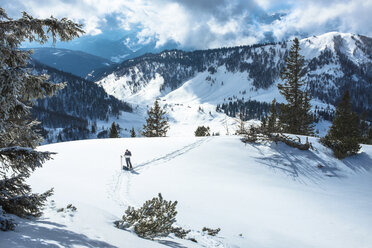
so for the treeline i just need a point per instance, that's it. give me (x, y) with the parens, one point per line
(245, 110)
(252, 109)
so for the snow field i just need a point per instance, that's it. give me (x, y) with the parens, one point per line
(273, 195)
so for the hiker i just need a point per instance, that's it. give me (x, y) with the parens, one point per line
(127, 156)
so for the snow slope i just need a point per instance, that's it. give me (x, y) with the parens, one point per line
(262, 195)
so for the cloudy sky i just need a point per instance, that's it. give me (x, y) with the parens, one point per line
(207, 23)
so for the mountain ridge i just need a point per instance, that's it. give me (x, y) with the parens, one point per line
(75, 62)
(335, 62)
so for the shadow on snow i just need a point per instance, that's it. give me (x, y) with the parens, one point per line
(302, 166)
(31, 234)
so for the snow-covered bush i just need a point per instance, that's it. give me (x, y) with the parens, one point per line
(202, 131)
(154, 219)
(70, 208)
(210, 231)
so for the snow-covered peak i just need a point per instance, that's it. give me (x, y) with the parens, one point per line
(345, 43)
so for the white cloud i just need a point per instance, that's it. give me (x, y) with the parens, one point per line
(207, 23)
(317, 17)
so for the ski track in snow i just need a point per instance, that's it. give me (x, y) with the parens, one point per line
(173, 154)
(121, 195)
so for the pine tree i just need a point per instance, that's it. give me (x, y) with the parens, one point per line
(132, 133)
(343, 136)
(114, 131)
(156, 123)
(154, 219)
(19, 88)
(295, 116)
(94, 127)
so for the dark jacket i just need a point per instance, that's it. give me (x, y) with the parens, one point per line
(127, 154)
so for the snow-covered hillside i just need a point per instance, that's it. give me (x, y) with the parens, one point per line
(186, 82)
(262, 195)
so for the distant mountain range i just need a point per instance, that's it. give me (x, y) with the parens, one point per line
(202, 87)
(75, 62)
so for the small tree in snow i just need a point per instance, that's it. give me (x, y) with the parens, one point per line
(202, 131)
(132, 133)
(154, 219)
(19, 88)
(343, 136)
(156, 122)
(295, 116)
(114, 131)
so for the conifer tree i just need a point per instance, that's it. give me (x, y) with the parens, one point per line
(93, 128)
(295, 116)
(132, 133)
(154, 219)
(114, 131)
(156, 122)
(343, 136)
(19, 88)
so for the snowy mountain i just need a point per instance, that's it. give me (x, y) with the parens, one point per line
(261, 195)
(74, 62)
(207, 78)
(71, 113)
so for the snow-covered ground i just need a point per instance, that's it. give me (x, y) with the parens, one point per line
(260, 195)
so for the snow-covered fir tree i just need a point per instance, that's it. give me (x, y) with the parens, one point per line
(156, 122)
(19, 88)
(295, 115)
